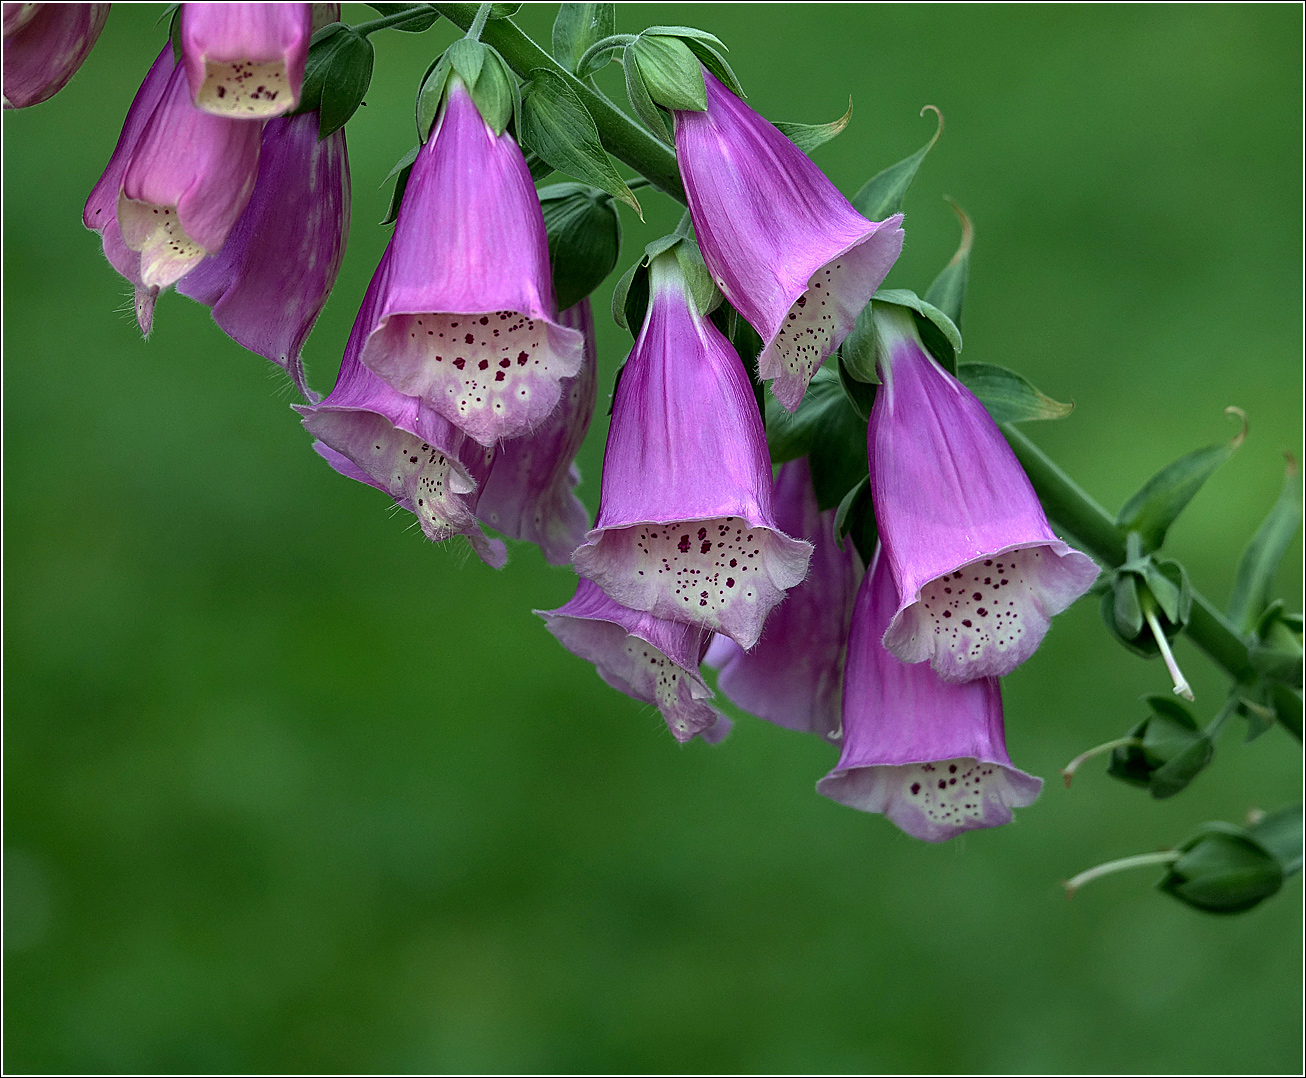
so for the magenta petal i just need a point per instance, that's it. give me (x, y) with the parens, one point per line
(685, 528)
(468, 320)
(645, 657)
(44, 45)
(978, 570)
(401, 446)
(272, 277)
(245, 61)
(530, 490)
(929, 755)
(188, 179)
(785, 247)
(793, 677)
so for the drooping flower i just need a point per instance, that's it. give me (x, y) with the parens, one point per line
(188, 179)
(529, 493)
(978, 571)
(101, 211)
(686, 529)
(245, 61)
(785, 247)
(399, 445)
(44, 45)
(645, 657)
(272, 277)
(928, 754)
(793, 677)
(468, 322)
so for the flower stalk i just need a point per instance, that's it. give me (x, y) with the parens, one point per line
(1068, 772)
(1139, 860)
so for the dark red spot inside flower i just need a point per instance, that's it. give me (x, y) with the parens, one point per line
(915, 787)
(460, 363)
(485, 363)
(522, 357)
(683, 545)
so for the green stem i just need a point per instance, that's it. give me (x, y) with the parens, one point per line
(620, 135)
(1141, 860)
(1075, 511)
(478, 23)
(397, 19)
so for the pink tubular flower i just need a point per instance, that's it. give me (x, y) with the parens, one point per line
(188, 179)
(101, 212)
(370, 432)
(272, 277)
(929, 755)
(529, 493)
(645, 657)
(686, 530)
(978, 571)
(785, 247)
(467, 322)
(794, 676)
(245, 61)
(44, 45)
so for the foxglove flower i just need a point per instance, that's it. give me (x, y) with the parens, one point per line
(978, 571)
(44, 45)
(370, 432)
(793, 677)
(245, 61)
(785, 247)
(529, 493)
(272, 277)
(929, 755)
(467, 322)
(188, 179)
(647, 658)
(101, 211)
(686, 530)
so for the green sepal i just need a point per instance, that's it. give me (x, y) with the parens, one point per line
(417, 26)
(1256, 567)
(641, 102)
(948, 292)
(938, 332)
(584, 233)
(556, 124)
(577, 27)
(859, 351)
(1281, 833)
(859, 392)
(670, 71)
(1223, 869)
(173, 12)
(855, 518)
(1176, 773)
(1276, 648)
(808, 137)
(467, 57)
(709, 50)
(336, 76)
(400, 173)
(1170, 744)
(1160, 500)
(827, 430)
(496, 93)
(702, 289)
(882, 195)
(1008, 397)
(630, 297)
(1141, 583)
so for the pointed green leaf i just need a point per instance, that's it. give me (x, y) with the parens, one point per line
(1008, 397)
(641, 102)
(883, 193)
(808, 137)
(431, 95)
(827, 429)
(346, 80)
(630, 298)
(1251, 589)
(1162, 498)
(860, 393)
(504, 11)
(1281, 833)
(948, 292)
(855, 519)
(417, 25)
(859, 351)
(714, 60)
(556, 124)
(577, 27)
(584, 234)
(671, 72)
(403, 167)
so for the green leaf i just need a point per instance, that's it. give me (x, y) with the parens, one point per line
(504, 11)
(855, 518)
(948, 292)
(808, 137)
(584, 235)
(1281, 833)
(577, 27)
(1287, 704)
(1009, 397)
(400, 173)
(1177, 772)
(940, 336)
(882, 194)
(1251, 588)
(1223, 870)
(641, 102)
(859, 350)
(827, 429)
(414, 27)
(670, 71)
(860, 393)
(336, 77)
(630, 297)
(556, 124)
(1162, 498)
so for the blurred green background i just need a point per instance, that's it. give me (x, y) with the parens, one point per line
(289, 789)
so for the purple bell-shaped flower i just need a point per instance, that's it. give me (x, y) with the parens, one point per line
(245, 61)
(785, 247)
(44, 45)
(686, 530)
(928, 754)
